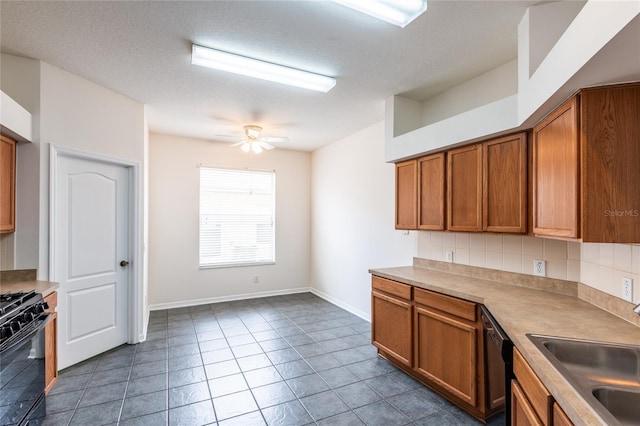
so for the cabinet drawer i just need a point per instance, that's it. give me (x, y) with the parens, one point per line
(537, 394)
(391, 287)
(450, 305)
(52, 301)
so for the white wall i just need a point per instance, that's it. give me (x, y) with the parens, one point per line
(76, 113)
(70, 112)
(353, 219)
(498, 83)
(15, 119)
(20, 79)
(174, 275)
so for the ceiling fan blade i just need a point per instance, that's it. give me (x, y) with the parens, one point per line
(276, 139)
(266, 145)
(228, 136)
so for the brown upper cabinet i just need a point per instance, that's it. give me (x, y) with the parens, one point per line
(7, 185)
(504, 176)
(585, 167)
(464, 189)
(487, 186)
(406, 195)
(481, 187)
(431, 192)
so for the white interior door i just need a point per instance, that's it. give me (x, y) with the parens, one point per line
(90, 211)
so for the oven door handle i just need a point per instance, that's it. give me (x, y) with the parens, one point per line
(17, 339)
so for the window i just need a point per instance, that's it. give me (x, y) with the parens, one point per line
(237, 217)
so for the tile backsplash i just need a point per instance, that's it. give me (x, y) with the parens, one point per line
(600, 266)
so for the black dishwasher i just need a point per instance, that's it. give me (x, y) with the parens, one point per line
(498, 353)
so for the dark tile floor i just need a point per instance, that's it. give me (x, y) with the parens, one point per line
(284, 360)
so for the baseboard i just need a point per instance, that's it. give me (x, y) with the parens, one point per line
(231, 298)
(345, 306)
(195, 302)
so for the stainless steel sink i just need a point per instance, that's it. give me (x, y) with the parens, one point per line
(607, 375)
(623, 404)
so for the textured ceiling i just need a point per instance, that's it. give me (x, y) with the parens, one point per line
(142, 49)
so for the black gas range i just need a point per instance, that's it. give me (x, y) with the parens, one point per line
(22, 367)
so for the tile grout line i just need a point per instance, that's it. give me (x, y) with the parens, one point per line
(243, 372)
(126, 386)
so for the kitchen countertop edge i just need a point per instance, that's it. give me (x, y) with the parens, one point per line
(44, 287)
(521, 311)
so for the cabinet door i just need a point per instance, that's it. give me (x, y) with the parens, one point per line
(522, 413)
(536, 393)
(431, 186)
(407, 195)
(559, 416)
(610, 154)
(556, 173)
(464, 189)
(391, 326)
(446, 353)
(505, 184)
(7, 185)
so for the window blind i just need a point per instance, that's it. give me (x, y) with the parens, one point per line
(237, 217)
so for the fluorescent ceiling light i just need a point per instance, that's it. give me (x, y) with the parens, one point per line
(225, 61)
(397, 12)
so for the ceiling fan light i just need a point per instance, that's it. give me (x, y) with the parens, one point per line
(252, 132)
(397, 12)
(246, 147)
(230, 62)
(255, 146)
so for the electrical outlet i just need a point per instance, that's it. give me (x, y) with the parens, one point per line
(539, 268)
(256, 279)
(449, 256)
(627, 289)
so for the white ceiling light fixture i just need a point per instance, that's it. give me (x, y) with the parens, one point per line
(254, 142)
(397, 12)
(230, 62)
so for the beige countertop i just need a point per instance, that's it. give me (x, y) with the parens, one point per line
(44, 287)
(520, 310)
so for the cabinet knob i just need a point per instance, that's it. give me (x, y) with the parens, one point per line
(123, 263)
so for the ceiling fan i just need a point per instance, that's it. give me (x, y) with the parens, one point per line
(254, 142)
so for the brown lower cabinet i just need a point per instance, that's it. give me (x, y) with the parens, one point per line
(435, 338)
(531, 402)
(392, 301)
(560, 418)
(446, 343)
(51, 337)
(522, 413)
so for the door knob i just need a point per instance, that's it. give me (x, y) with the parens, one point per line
(123, 263)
